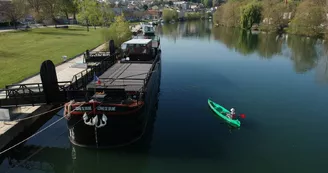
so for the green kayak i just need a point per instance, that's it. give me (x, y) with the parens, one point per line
(221, 112)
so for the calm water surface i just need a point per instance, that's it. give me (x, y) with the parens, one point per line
(280, 83)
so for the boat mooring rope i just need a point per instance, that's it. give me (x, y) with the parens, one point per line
(2, 152)
(22, 119)
(31, 136)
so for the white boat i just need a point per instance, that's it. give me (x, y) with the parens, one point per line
(147, 29)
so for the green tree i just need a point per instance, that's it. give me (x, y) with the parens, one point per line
(192, 15)
(118, 31)
(251, 14)
(169, 14)
(68, 7)
(107, 14)
(89, 12)
(309, 16)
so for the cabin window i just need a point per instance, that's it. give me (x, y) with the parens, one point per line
(139, 48)
(149, 29)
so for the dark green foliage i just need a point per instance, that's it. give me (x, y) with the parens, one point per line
(251, 14)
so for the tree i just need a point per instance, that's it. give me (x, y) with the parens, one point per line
(169, 14)
(206, 3)
(251, 14)
(119, 31)
(231, 14)
(107, 14)
(145, 7)
(14, 10)
(309, 16)
(89, 12)
(68, 7)
(50, 9)
(35, 6)
(170, 3)
(273, 11)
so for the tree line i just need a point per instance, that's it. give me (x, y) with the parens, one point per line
(172, 14)
(304, 17)
(89, 12)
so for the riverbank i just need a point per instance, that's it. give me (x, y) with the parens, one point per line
(170, 14)
(22, 118)
(23, 52)
(306, 18)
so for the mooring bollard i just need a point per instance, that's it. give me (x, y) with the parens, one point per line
(64, 58)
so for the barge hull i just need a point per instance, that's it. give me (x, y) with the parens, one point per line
(120, 130)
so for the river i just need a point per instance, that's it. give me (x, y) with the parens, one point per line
(279, 83)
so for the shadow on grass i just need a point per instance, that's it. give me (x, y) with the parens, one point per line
(60, 33)
(5, 54)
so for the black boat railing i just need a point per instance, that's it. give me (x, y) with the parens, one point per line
(32, 93)
(81, 80)
(96, 56)
(21, 89)
(26, 94)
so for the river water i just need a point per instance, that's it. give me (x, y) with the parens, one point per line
(279, 83)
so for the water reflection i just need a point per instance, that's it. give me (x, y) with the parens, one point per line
(193, 29)
(305, 53)
(301, 50)
(322, 64)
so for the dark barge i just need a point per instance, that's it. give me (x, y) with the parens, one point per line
(122, 98)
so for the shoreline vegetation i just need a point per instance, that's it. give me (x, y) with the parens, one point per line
(300, 17)
(173, 15)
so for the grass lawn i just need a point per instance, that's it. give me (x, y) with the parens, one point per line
(22, 52)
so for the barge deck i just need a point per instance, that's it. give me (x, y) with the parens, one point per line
(127, 76)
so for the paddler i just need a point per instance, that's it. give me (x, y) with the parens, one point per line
(231, 114)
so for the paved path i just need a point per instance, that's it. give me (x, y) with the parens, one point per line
(65, 71)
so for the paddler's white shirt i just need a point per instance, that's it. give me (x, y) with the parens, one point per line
(232, 113)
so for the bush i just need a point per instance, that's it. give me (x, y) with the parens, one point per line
(308, 18)
(192, 15)
(169, 14)
(118, 31)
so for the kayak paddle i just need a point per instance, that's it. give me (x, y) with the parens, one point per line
(241, 116)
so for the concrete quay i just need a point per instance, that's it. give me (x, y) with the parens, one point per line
(10, 126)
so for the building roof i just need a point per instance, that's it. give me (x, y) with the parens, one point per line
(138, 41)
(152, 12)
